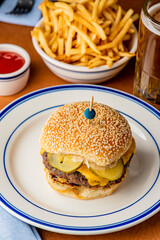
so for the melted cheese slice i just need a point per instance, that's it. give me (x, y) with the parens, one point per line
(93, 180)
(42, 151)
(130, 151)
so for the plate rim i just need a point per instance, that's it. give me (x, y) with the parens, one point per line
(77, 229)
(154, 111)
(46, 90)
(67, 215)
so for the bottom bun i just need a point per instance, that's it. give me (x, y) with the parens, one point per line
(81, 192)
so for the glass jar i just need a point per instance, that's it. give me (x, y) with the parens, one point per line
(147, 70)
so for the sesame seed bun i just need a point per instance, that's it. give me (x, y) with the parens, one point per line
(102, 140)
(81, 192)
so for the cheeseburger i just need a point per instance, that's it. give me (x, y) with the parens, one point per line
(84, 158)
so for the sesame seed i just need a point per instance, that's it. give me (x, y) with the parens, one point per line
(103, 139)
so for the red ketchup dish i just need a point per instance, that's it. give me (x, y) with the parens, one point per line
(10, 62)
(14, 69)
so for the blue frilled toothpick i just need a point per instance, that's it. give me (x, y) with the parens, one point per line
(89, 113)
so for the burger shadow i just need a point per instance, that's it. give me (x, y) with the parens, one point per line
(141, 172)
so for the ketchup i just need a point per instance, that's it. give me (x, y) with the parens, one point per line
(10, 62)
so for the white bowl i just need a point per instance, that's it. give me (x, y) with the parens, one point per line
(78, 74)
(12, 83)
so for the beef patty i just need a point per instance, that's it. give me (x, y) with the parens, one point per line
(75, 178)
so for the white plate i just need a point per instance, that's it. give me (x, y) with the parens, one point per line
(24, 190)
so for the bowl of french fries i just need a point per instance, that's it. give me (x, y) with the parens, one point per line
(85, 41)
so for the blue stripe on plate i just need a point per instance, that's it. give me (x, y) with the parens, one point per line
(78, 228)
(48, 90)
(8, 79)
(76, 215)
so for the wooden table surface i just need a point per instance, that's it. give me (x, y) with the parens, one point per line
(41, 77)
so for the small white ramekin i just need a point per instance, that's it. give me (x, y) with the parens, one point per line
(12, 83)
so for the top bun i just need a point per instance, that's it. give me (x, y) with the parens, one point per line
(102, 140)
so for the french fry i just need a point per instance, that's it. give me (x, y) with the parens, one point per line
(51, 39)
(86, 38)
(101, 6)
(82, 20)
(96, 28)
(74, 1)
(117, 19)
(120, 46)
(84, 59)
(135, 17)
(94, 59)
(83, 44)
(100, 56)
(61, 5)
(75, 58)
(54, 46)
(109, 63)
(113, 14)
(119, 37)
(84, 11)
(115, 6)
(95, 10)
(115, 49)
(100, 30)
(54, 20)
(107, 30)
(67, 8)
(110, 3)
(97, 64)
(122, 23)
(45, 17)
(66, 29)
(44, 44)
(87, 33)
(126, 37)
(69, 41)
(110, 53)
(108, 16)
(60, 46)
(106, 23)
(92, 36)
(126, 54)
(35, 34)
(75, 51)
(78, 37)
(131, 30)
(61, 57)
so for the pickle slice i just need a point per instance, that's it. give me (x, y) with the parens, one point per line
(109, 173)
(63, 162)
